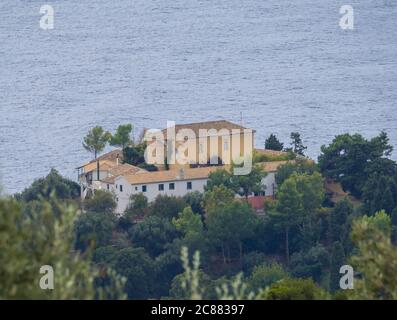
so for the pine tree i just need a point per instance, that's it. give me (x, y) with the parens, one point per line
(95, 140)
(289, 210)
(297, 144)
(272, 143)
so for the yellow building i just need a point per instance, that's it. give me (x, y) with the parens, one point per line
(202, 143)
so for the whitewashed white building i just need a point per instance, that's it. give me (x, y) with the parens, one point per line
(91, 174)
(109, 173)
(172, 183)
(151, 184)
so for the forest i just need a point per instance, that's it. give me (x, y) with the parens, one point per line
(213, 245)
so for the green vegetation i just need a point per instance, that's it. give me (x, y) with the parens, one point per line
(137, 207)
(53, 184)
(294, 289)
(244, 185)
(297, 148)
(95, 140)
(268, 157)
(265, 275)
(135, 155)
(356, 162)
(94, 226)
(294, 251)
(272, 143)
(122, 137)
(376, 258)
(297, 144)
(28, 242)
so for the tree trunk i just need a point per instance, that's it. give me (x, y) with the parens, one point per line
(287, 244)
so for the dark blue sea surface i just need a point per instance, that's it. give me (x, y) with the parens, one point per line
(285, 65)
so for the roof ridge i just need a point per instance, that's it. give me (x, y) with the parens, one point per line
(204, 122)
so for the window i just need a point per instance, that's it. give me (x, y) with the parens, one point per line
(171, 186)
(161, 187)
(189, 185)
(144, 188)
(136, 188)
(107, 186)
(121, 188)
(201, 148)
(226, 145)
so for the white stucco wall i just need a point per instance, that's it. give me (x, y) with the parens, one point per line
(94, 175)
(152, 189)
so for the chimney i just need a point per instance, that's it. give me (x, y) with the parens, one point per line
(181, 174)
(117, 160)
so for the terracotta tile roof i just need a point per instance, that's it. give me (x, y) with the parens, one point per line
(113, 169)
(104, 165)
(170, 175)
(217, 125)
(110, 156)
(120, 170)
(272, 166)
(187, 173)
(125, 168)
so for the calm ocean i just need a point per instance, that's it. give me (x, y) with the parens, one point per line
(286, 65)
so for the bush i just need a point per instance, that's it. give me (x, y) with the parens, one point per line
(167, 206)
(53, 184)
(94, 228)
(265, 275)
(311, 263)
(102, 202)
(137, 207)
(294, 289)
(251, 260)
(153, 234)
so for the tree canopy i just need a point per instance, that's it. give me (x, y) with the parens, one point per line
(122, 137)
(272, 143)
(52, 185)
(27, 242)
(96, 139)
(297, 144)
(349, 159)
